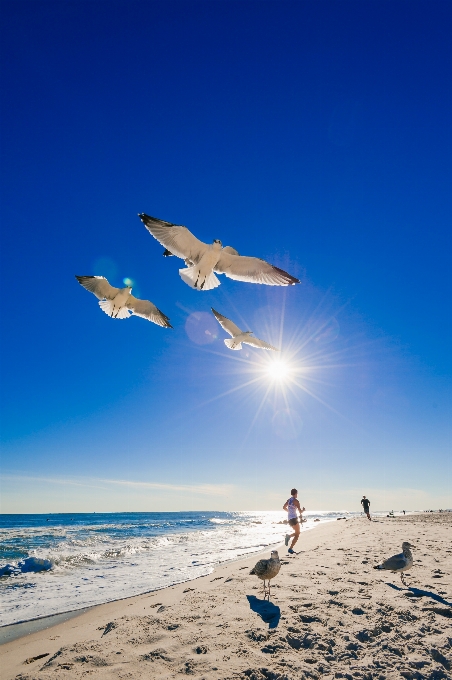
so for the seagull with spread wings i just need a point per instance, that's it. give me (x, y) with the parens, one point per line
(119, 303)
(203, 260)
(238, 336)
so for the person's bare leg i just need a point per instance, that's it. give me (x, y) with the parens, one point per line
(288, 537)
(296, 535)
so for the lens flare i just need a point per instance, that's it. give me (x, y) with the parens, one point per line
(201, 328)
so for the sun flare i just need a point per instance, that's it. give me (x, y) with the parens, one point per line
(278, 369)
(281, 384)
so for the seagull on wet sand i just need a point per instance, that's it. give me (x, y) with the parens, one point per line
(203, 260)
(238, 336)
(399, 563)
(267, 569)
(119, 303)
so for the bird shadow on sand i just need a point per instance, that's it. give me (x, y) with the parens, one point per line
(416, 592)
(268, 611)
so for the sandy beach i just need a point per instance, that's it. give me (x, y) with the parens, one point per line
(331, 615)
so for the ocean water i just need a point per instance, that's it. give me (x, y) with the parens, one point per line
(96, 558)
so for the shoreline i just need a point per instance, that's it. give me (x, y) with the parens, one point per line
(76, 612)
(67, 615)
(168, 594)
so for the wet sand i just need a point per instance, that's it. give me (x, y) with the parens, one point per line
(331, 615)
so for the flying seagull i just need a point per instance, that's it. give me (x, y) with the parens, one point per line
(119, 303)
(267, 569)
(202, 260)
(238, 336)
(399, 563)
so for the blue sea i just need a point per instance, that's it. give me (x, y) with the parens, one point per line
(63, 562)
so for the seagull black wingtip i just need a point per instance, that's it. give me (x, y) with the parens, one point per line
(144, 216)
(290, 280)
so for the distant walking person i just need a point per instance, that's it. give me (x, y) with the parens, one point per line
(365, 502)
(292, 507)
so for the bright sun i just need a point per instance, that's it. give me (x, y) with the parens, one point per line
(278, 369)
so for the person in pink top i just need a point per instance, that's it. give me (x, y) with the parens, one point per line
(292, 507)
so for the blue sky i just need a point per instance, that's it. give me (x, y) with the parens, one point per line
(316, 135)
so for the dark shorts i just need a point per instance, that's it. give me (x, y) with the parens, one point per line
(366, 509)
(293, 522)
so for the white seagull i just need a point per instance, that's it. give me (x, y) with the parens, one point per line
(203, 260)
(238, 336)
(119, 303)
(399, 563)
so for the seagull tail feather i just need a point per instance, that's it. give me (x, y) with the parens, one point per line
(190, 277)
(229, 342)
(211, 282)
(107, 307)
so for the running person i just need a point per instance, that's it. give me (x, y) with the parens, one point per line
(292, 506)
(365, 502)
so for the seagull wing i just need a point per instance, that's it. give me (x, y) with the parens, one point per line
(255, 342)
(226, 324)
(253, 270)
(178, 240)
(260, 568)
(230, 250)
(147, 310)
(395, 562)
(99, 286)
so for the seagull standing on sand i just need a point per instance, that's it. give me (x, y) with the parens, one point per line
(267, 569)
(203, 260)
(238, 336)
(119, 303)
(399, 563)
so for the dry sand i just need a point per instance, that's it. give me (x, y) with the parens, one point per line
(331, 615)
